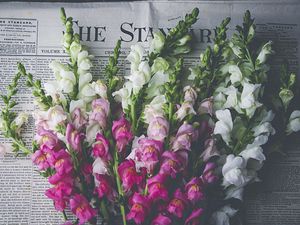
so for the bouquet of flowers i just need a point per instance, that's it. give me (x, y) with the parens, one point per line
(163, 145)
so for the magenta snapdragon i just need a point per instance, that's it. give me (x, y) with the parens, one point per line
(148, 152)
(129, 176)
(74, 137)
(101, 147)
(178, 204)
(140, 208)
(82, 209)
(161, 219)
(122, 133)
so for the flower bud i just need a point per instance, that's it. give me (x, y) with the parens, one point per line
(286, 96)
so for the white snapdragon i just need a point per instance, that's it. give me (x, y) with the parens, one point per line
(21, 119)
(248, 98)
(140, 77)
(157, 42)
(100, 88)
(156, 83)
(80, 104)
(86, 89)
(253, 152)
(65, 78)
(264, 53)
(75, 49)
(154, 108)
(232, 100)
(294, 122)
(53, 89)
(235, 74)
(234, 171)
(224, 125)
(123, 95)
(84, 62)
(265, 127)
(223, 215)
(135, 56)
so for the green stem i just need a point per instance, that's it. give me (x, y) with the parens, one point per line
(120, 190)
(104, 211)
(133, 116)
(64, 215)
(21, 146)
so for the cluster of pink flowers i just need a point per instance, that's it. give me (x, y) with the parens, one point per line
(153, 170)
(54, 159)
(167, 191)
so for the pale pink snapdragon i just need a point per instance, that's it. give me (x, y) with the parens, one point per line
(158, 128)
(100, 111)
(186, 134)
(79, 118)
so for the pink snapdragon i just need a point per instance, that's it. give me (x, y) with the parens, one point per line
(178, 204)
(128, 175)
(173, 162)
(161, 220)
(60, 193)
(62, 162)
(210, 149)
(157, 188)
(74, 137)
(158, 128)
(40, 158)
(104, 187)
(195, 217)
(100, 111)
(208, 174)
(81, 208)
(140, 208)
(79, 119)
(48, 138)
(184, 137)
(194, 190)
(121, 131)
(148, 152)
(101, 147)
(206, 106)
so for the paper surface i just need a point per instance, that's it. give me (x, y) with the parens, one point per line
(31, 33)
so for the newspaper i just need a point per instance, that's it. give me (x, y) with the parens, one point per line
(31, 33)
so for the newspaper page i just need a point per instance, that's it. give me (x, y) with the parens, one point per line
(31, 33)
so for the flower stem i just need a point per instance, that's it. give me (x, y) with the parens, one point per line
(133, 115)
(104, 211)
(120, 190)
(64, 215)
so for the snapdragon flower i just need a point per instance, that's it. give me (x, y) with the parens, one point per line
(294, 122)
(224, 125)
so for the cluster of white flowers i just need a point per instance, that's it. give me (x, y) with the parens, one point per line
(239, 94)
(140, 75)
(229, 96)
